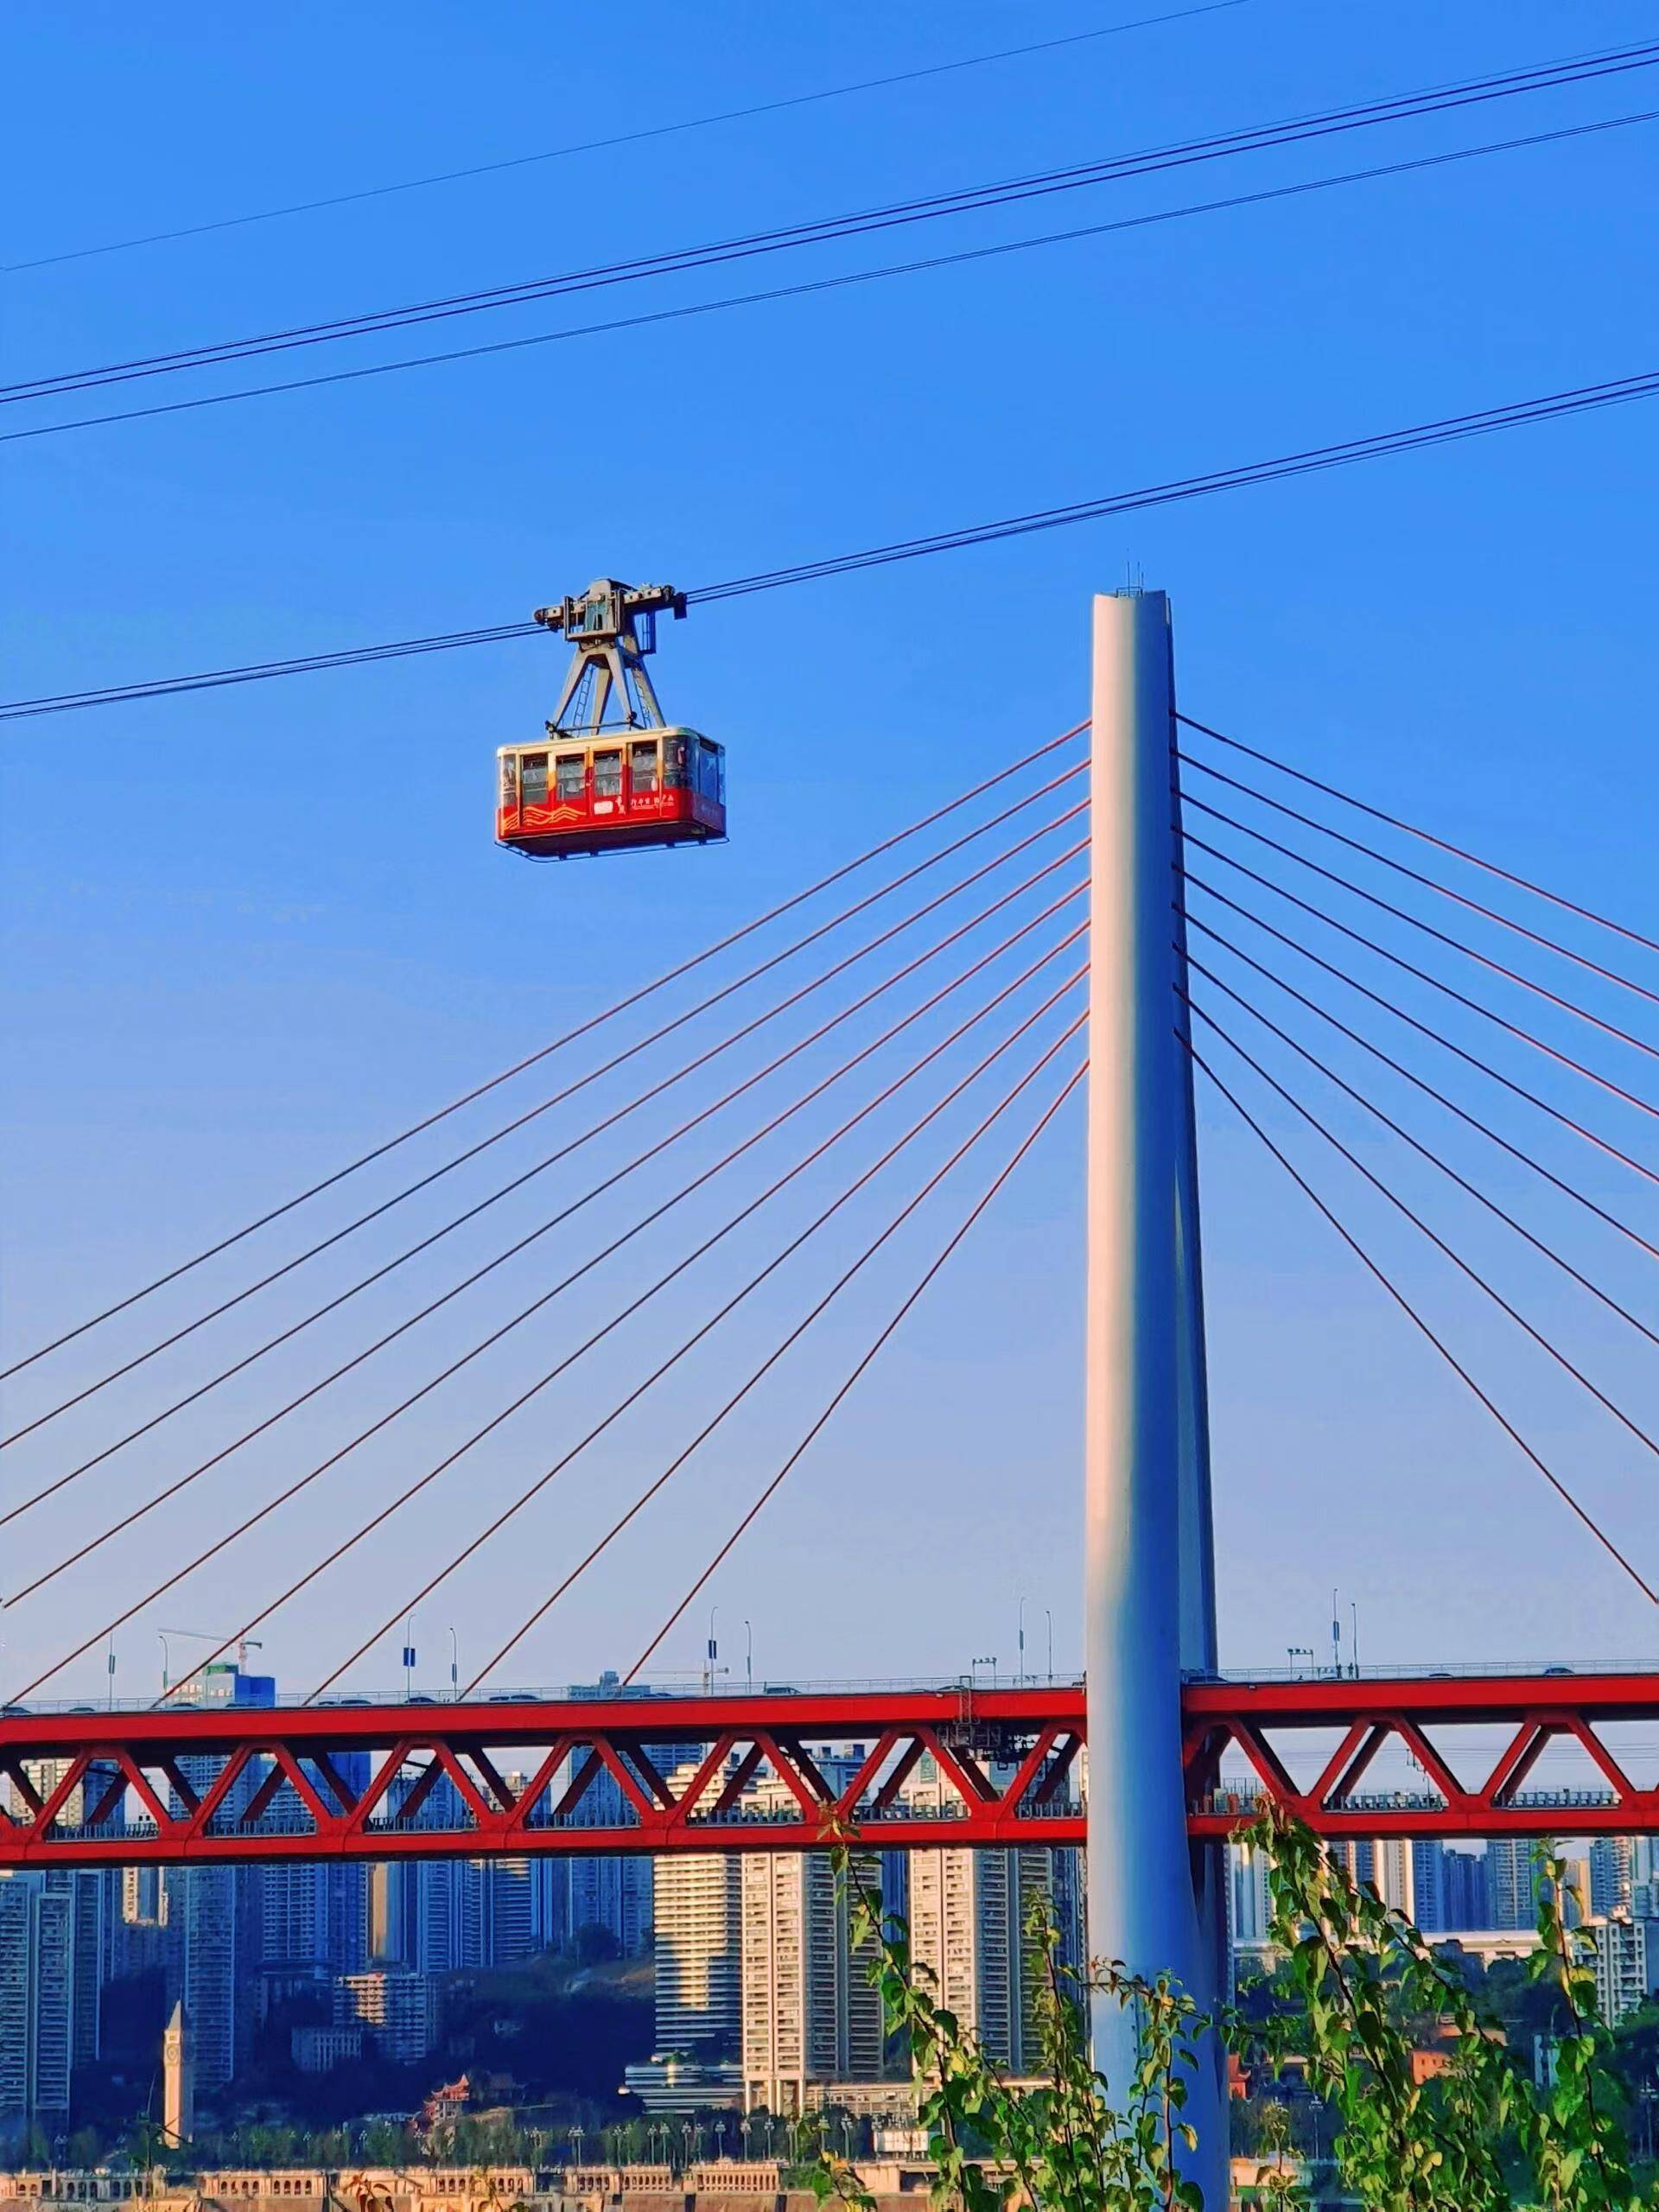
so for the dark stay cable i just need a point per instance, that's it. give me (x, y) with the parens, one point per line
(378, 1519)
(1428, 928)
(479, 1090)
(884, 1337)
(607, 1067)
(1461, 998)
(1472, 1273)
(1427, 882)
(223, 1542)
(1427, 836)
(1408, 1075)
(1418, 1322)
(1424, 1152)
(545, 1298)
(1423, 1029)
(524, 1496)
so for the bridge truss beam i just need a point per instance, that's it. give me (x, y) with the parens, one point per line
(532, 1776)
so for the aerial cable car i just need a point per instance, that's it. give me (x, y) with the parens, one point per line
(610, 774)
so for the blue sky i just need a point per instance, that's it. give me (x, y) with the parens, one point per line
(248, 932)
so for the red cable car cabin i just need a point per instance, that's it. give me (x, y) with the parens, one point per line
(602, 792)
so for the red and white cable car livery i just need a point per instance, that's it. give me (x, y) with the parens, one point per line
(631, 787)
(590, 786)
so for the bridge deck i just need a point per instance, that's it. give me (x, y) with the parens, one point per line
(908, 1767)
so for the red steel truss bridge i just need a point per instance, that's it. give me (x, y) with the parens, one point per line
(533, 1774)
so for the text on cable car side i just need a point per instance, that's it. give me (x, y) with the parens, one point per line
(596, 786)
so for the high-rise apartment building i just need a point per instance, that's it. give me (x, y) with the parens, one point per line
(1510, 1875)
(37, 2001)
(697, 1916)
(1465, 1891)
(1612, 1875)
(809, 2015)
(1627, 1966)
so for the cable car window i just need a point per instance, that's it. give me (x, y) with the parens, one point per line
(570, 776)
(707, 769)
(532, 768)
(641, 765)
(608, 775)
(509, 781)
(674, 763)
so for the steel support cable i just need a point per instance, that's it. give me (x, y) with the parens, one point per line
(501, 1521)
(621, 139)
(1440, 1346)
(1436, 1036)
(807, 288)
(1424, 1151)
(1428, 928)
(1399, 1068)
(570, 1037)
(1428, 882)
(697, 1441)
(1427, 836)
(1474, 1006)
(553, 1221)
(675, 1464)
(432, 1474)
(545, 1298)
(1344, 453)
(1448, 1251)
(884, 1336)
(559, 1097)
(967, 199)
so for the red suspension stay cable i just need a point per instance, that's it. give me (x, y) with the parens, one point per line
(1424, 1152)
(524, 1496)
(545, 1298)
(1399, 1068)
(1428, 882)
(558, 1098)
(594, 1191)
(1429, 838)
(423, 1481)
(1461, 998)
(479, 1090)
(1418, 1322)
(1415, 921)
(887, 1332)
(1632, 1427)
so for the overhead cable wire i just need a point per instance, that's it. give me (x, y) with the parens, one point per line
(508, 1513)
(1427, 882)
(927, 207)
(619, 1059)
(395, 1505)
(1415, 437)
(1483, 1067)
(883, 1338)
(570, 1037)
(1426, 1152)
(620, 138)
(182, 1482)
(1427, 836)
(1581, 1513)
(807, 288)
(1511, 1028)
(1399, 1068)
(1627, 1421)
(1428, 928)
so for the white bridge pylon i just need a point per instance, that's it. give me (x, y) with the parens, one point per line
(1155, 1902)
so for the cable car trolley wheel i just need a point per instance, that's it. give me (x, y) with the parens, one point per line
(610, 775)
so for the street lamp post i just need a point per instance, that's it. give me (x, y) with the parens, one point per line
(714, 1654)
(748, 1658)
(1021, 1675)
(455, 1667)
(1049, 1618)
